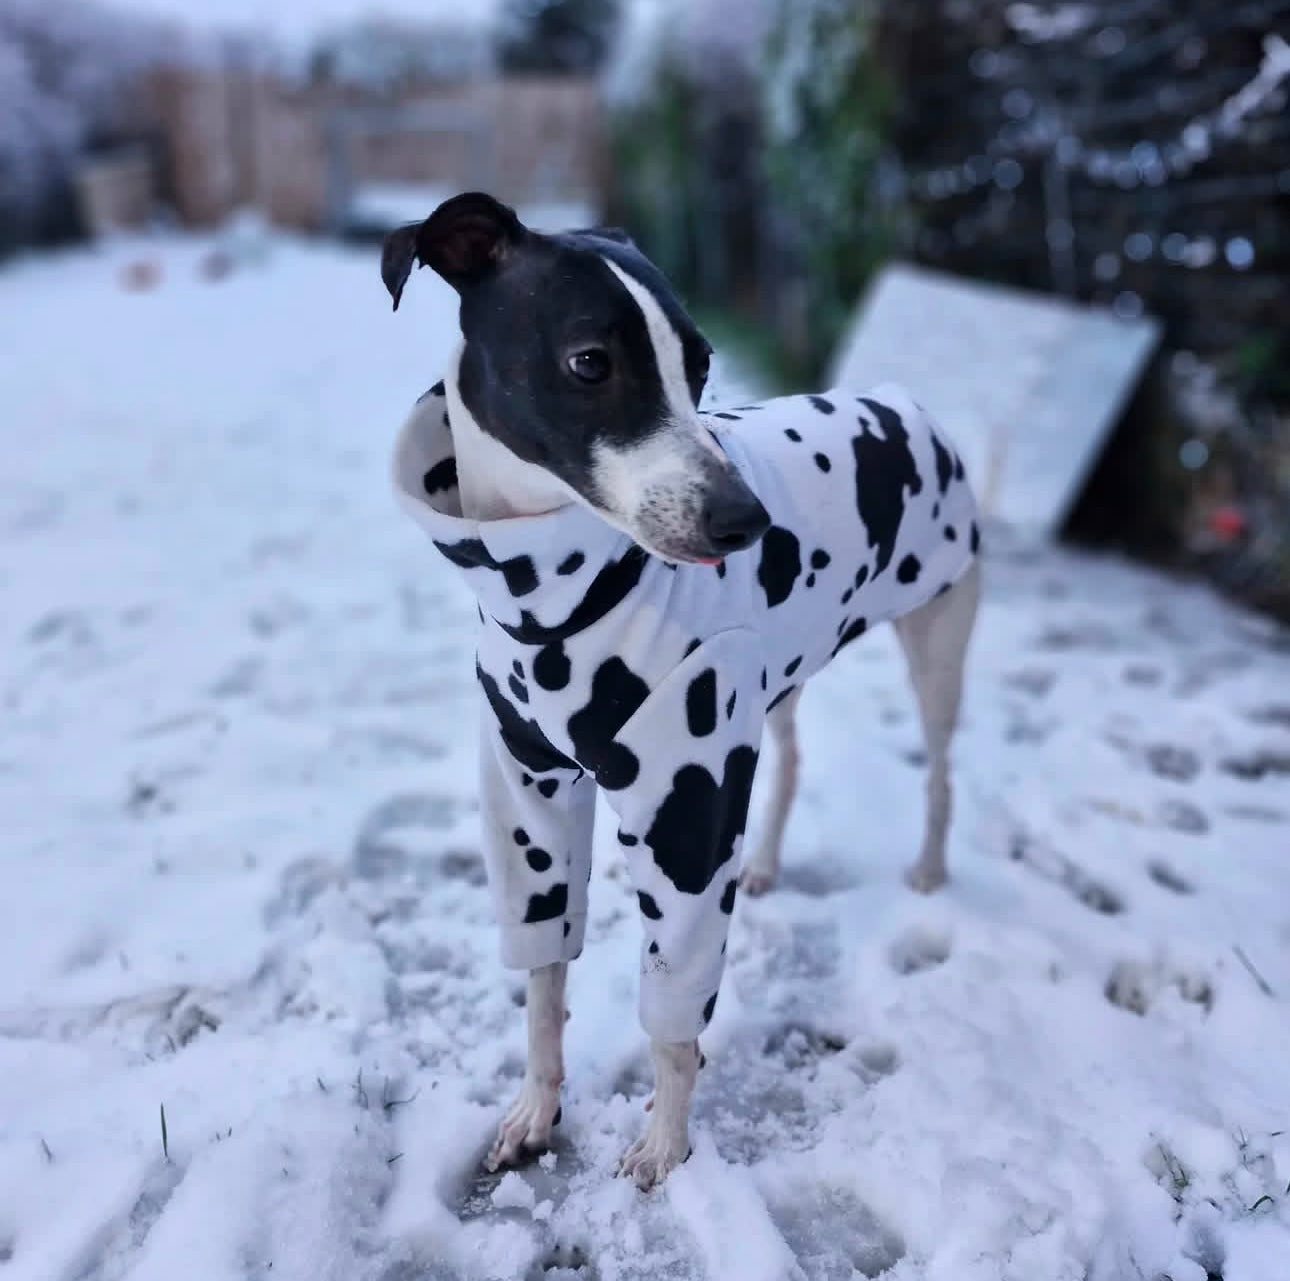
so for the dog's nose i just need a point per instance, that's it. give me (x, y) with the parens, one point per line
(734, 521)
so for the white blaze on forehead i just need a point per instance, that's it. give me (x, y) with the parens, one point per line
(669, 355)
(654, 488)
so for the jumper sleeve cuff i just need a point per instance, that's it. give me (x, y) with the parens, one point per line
(528, 945)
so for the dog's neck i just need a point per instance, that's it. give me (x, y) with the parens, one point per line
(493, 483)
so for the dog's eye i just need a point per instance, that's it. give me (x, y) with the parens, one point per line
(590, 366)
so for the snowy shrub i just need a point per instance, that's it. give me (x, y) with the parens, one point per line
(748, 139)
(688, 143)
(66, 70)
(825, 103)
(556, 37)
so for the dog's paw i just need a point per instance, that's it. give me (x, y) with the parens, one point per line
(526, 1128)
(654, 1155)
(756, 880)
(925, 879)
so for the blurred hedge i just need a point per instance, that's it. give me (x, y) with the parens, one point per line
(754, 181)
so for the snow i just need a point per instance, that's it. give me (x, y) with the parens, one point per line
(296, 23)
(241, 880)
(64, 70)
(711, 41)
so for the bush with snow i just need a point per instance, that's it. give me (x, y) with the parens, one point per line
(749, 141)
(826, 108)
(66, 71)
(556, 37)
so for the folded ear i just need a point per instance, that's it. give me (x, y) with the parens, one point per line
(464, 240)
(397, 253)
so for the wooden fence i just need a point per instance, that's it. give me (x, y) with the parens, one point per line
(236, 137)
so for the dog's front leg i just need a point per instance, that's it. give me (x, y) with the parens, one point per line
(527, 1126)
(666, 1141)
(537, 846)
(681, 824)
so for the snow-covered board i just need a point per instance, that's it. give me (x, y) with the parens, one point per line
(1030, 387)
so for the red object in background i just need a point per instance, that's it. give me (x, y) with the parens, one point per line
(141, 274)
(1227, 522)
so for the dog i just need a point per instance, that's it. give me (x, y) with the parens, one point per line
(655, 584)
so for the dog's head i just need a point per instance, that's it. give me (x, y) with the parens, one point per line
(580, 359)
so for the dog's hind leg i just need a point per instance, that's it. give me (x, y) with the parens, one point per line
(762, 868)
(526, 1128)
(935, 640)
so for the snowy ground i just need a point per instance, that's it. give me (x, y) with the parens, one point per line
(239, 878)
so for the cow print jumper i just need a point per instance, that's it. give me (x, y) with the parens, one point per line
(603, 665)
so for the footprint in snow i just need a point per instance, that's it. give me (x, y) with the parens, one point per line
(106, 1257)
(816, 879)
(1129, 987)
(379, 847)
(1143, 675)
(834, 1235)
(1167, 760)
(1134, 986)
(300, 884)
(763, 1093)
(1276, 714)
(1256, 766)
(463, 865)
(548, 1176)
(1027, 731)
(1034, 681)
(813, 954)
(1183, 816)
(798, 1046)
(240, 679)
(1093, 894)
(1257, 814)
(879, 1060)
(1053, 865)
(1167, 878)
(411, 1269)
(1087, 634)
(563, 1262)
(788, 974)
(919, 949)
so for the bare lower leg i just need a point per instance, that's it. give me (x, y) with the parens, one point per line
(666, 1141)
(526, 1127)
(935, 640)
(929, 872)
(762, 868)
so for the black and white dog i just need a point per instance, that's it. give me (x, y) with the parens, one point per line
(655, 584)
